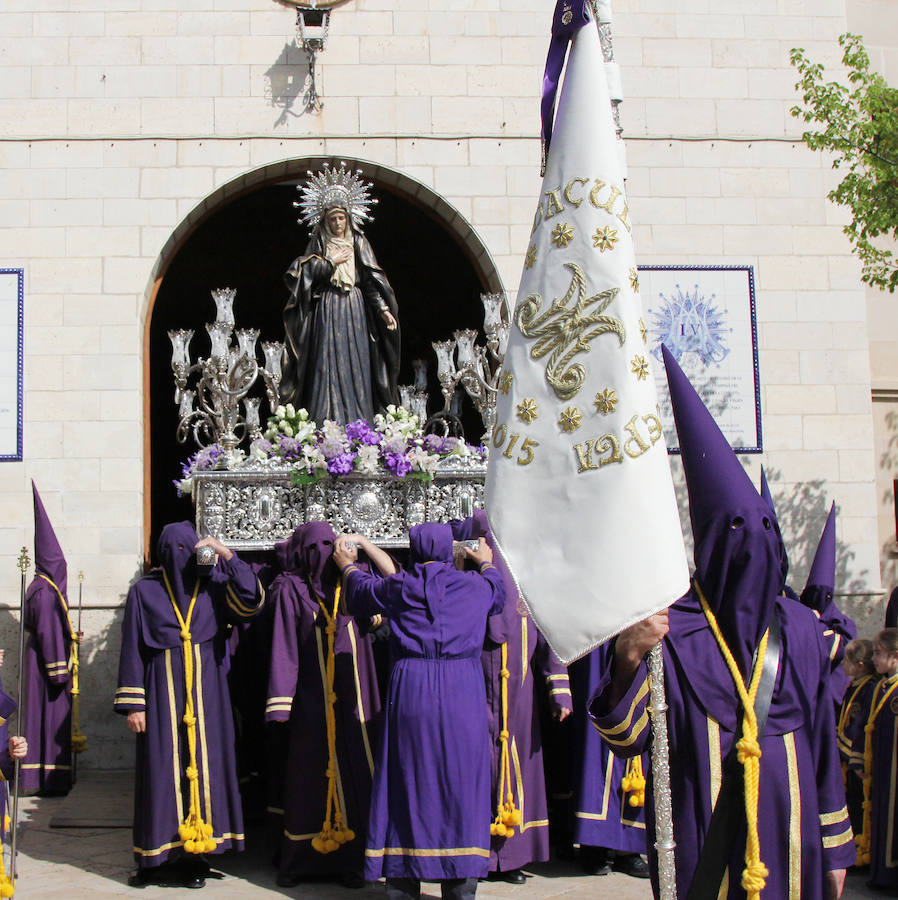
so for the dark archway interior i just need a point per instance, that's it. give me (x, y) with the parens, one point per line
(247, 244)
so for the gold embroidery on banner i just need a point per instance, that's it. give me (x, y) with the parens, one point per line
(537, 217)
(553, 203)
(511, 442)
(641, 445)
(634, 280)
(571, 419)
(654, 425)
(530, 257)
(609, 442)
(527, 451)
(499, 429)
(608, 205)
(176, 753)
(794, 817)
(562, 235)
(606, 401)
(569, 191)
(604, 238)
(527, 410)
(639, 366)
(584, 456)
(505, 382)
(643, 332)
(562, 332)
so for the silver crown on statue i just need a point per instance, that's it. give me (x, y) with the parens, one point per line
(333, 187)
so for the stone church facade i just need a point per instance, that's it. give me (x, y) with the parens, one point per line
(127, 123)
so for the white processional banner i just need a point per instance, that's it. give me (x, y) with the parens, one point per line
(579, 492)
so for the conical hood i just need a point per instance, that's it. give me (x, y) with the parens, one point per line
(821, 583)
(737, 546)
(765, 491)
(49, 559)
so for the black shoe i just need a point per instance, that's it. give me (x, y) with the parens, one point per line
(512, 876)
(164, 876)
(594, 861)
(288, 880)
(194, 882)
(631, 864)
(351, 880)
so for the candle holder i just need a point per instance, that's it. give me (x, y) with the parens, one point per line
(210, 408)
(461, 361)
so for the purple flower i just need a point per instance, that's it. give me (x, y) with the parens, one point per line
(398, 463)
(395, 445)
(341, 464)
(290, 448)
(263, 445)
(332, 448)
(433, 443)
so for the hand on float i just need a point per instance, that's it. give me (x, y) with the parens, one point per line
(483, 553)
(561, 713)
(218, 546)
(389, 319)
(18, 747)
(137, 722)
(344, 554)
(634, 642)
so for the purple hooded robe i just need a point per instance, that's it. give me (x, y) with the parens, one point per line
(533, 670)
(152, 680)
(804, 827)
(430, 804)
(603, 816)
(47, 669)
(7, 764)
(884, 790)
(297, 687)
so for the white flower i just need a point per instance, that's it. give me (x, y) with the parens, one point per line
(313, 457)
(289, 411)
(304, 430)
(257, 452)
(280, 412)
(185, 485)
(368, 459)
(286, 428)
(422, 461)
(303, 415)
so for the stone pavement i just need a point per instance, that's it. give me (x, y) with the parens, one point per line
(95, 862)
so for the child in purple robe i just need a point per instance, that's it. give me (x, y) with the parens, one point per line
(881, 763)
(173, 689)
(323, 681)
(430, 803)
(853, 715)
(47, 667)
(778, 777)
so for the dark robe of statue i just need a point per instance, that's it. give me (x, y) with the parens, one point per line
(342, 359)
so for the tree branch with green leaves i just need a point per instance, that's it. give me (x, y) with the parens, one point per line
(857, 123)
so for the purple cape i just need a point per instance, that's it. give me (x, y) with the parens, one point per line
(883, 792)
(430, 803)
(297, 688)
(152, 680)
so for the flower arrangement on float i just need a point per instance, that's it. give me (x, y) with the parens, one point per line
(392, 444)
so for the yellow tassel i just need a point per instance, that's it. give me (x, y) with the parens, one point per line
(6, 888)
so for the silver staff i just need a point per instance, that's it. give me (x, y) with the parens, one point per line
(664, 837)
(24, 562)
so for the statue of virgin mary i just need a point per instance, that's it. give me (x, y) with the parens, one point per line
(341, 321)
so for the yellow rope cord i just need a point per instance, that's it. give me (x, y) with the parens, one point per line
(508, 816)
(863, 839)
(7, 888)
(196, 834)
(633, 781)
(79, 741)
(334, 832)
(748, 752)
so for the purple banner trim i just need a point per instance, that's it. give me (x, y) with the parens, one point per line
(569, 16)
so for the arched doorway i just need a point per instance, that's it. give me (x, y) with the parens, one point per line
(245, 236)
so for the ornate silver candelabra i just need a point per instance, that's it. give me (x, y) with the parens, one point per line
(476, 368)
(223, 379)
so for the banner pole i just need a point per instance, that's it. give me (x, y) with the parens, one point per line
(664, 837)
(24, 562)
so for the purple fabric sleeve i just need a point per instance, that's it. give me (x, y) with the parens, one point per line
(284, 673)
(494, 578)
(367, 594)
(45, 620)
(625, 728)
(130, 695)
(245, 596)
(554, 675)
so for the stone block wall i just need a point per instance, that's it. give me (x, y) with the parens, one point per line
(121, 117)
